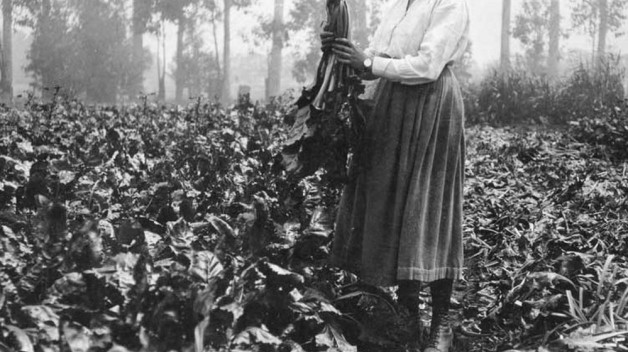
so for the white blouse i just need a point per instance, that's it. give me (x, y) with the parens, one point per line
(420, 41)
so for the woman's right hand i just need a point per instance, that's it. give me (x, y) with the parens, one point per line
(327, 39)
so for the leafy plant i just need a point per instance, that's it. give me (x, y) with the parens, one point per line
(518, 96)
(145, 227)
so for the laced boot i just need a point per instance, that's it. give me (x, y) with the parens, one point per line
(441, 334)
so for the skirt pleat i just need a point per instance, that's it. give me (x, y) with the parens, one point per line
(400, 218)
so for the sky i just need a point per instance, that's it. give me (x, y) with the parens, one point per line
(485, 16)
(485, 34)
(485, 28)
(486, 25)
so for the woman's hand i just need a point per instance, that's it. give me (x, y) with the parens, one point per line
(327, 39)
(349, 54)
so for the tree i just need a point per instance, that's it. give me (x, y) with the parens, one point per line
(47, 61)
(215, 87)
(531, 29)
(43, 44)
(142, 10)
(71, 50)
(106, 57)
(226, 53)
(554, 38)
(188, 41)
(161, 62)
(274, 68)
(175, 11)
(180, 71)
(228, 5)
(505, 38)
(6, 69)
(603, 28)
(597, 18)
(200, 66)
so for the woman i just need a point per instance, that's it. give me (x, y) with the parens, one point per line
(400, 220)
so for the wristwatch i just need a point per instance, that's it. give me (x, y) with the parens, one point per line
(368, 65)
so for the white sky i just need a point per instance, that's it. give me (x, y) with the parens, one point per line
(485, 27)
(485, 30)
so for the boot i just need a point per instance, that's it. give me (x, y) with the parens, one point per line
(441, 334)
(408, 298)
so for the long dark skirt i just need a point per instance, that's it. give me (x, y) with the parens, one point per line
(401, 217)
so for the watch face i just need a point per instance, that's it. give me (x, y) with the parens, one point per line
(368, 62)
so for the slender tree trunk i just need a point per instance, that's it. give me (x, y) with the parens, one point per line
(226, 75)
(139, 28)
(216, 48)
(274, 67)
(6, 82)
(603, 29)
(180, 73)
(214, 86)
(505, 40)
(47, 80)
(161, 63)
(554, 42)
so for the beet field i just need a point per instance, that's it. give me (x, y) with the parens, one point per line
(151, 228)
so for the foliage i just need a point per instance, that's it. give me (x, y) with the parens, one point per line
(514, 96)
(160, 232)
(607, 131)
(199, 67)
(585, 15)
(518, 96)
(172, 10)
(532, 28)
(542, 236)
(163, 228)
(48, 58)
(591, 88)
(327, 120)
(71, 51)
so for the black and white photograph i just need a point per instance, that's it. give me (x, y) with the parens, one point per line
(314, 176)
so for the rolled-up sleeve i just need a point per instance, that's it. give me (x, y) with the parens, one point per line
(442, 42)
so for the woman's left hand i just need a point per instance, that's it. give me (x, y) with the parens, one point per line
(349, 54)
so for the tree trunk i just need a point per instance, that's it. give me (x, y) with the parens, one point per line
(6, 82)
(603, 29)
(213, 86)
(226, 54)
(161, 63)
(180, 73)
(505, 41)
(274, 68)
(554, 42)
(47, 80)
(139, 28)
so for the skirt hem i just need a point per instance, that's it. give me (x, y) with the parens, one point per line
(410, 273)
(430, 275)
